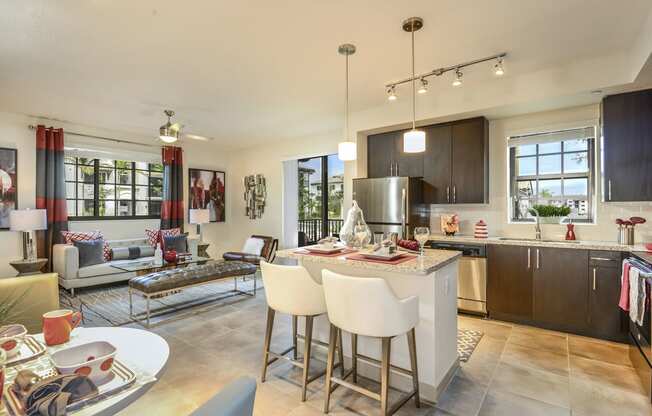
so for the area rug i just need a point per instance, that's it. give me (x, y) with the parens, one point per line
(109, 305)
(467, 340)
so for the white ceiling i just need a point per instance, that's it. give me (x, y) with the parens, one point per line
(246, 72)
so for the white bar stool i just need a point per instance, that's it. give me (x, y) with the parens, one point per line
(291, 290)
(368, 307)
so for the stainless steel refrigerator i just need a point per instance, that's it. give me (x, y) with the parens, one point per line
(393, 204)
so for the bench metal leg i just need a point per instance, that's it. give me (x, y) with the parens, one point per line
(131, 303)
(235, 283)
(254, 284)
(147, 311)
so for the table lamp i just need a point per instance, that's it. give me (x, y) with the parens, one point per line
(27, 221)
(199, 217)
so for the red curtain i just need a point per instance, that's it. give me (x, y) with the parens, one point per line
(50, 188)
(172, 204)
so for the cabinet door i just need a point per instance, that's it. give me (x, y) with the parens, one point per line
(408, 164)
(437, 165)
(509, 282)
(380, 154)
(627, 146)
(605, 317)
(561, 287)
(470, 161)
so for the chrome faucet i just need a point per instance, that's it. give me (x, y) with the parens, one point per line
(537, 225)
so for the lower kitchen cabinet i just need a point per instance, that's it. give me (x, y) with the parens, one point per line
(509, 282)
(606, 320)
(560, 288)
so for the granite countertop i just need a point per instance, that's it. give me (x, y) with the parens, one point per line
(581, 245)
(433, 260)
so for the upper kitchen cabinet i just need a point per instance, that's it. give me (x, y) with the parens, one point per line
(437, 165)
(627, 146)
(407, 164)
(470, 162)
(380, 154)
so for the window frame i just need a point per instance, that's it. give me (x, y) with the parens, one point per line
(96, 187)
(514, 179)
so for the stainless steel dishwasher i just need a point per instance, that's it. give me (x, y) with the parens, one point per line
(471, 276)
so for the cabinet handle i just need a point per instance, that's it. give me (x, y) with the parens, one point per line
(594, 279)
(537, 259)
(391, 169)
(454, 195)
(601, 259)
(396, 163)
(448, 194)
(609, 184)
(529, 257)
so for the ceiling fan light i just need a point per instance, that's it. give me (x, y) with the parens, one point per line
(414, 141)
(168, 135)
(346, 151)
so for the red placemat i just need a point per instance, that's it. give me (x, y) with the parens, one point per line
(312, 253)
(398, 260)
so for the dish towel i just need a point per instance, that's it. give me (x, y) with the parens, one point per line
(624, 287)
(637, 296)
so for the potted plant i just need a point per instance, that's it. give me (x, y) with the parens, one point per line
(550, 214)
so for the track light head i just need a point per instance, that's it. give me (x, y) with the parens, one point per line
(424, 86)
(391, 93)
(498, 68)
(458, 78)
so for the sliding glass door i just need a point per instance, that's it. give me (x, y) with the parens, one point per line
(321, 192)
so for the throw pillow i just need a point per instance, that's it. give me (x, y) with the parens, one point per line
(152, 236)
(253, 246)
(131, 252)
(90, 252)
(170, 232)
(178, 243)
(70, 237)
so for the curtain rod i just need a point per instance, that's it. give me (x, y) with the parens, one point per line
(110, 139)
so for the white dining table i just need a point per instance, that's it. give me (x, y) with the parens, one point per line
(142, 351)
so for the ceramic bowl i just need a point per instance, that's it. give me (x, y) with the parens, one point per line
(93, 360)
(11, 338)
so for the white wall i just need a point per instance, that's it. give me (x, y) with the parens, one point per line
(14, 133)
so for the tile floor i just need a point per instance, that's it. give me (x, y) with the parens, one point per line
(515, 370)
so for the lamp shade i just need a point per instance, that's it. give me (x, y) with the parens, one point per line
(28, 220)
(346, 151)
(199, 216)
(414, 141)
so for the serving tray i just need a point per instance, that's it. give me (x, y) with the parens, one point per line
(29, 349)
(323, 250)
(120, 378)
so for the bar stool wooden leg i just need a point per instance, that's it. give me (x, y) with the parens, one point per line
(354, 357)
(340, 351)
(294, 335)
(412, 345)
(330, 362)
(306, 356)
(384, 376)
(268, 341)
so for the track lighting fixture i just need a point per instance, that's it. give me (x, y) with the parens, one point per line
(424, 86)
(391, 93)
(458, 78)
(498, 68)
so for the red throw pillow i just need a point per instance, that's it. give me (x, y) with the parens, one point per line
(152, 236)
(70, 236)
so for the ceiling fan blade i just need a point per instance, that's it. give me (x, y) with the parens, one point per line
(198, 137)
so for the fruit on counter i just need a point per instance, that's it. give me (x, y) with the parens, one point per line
(409, 244)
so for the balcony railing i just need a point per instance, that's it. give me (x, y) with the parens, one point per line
(310, 231)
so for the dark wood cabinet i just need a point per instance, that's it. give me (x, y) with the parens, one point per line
(560, 288)
(437, 165)
(454, 167)
(509, 282)
(470, 161)
(606, 320)
(627, 146)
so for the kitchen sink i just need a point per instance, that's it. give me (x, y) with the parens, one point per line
(542, 241)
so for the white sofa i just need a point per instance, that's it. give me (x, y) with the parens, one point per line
(65, 261)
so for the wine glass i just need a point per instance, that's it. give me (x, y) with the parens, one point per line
(361, 233)
(421, 234)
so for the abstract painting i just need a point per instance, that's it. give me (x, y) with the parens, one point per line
(207, 192)
(8, 185)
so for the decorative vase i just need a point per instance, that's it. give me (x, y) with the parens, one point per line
(354, 217)
(570, 231)
(480, 230)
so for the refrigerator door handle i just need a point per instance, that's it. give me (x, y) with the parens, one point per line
(403, 214)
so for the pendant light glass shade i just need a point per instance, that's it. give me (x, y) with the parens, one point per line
(347, 151)
(414, 141)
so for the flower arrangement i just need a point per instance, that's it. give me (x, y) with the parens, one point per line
(450, 224)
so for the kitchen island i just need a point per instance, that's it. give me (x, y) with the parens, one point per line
(434, 280)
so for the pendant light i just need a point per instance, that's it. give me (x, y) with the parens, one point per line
(414, 141)
(346, 150)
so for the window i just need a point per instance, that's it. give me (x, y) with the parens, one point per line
(106, 188)
(554, 168)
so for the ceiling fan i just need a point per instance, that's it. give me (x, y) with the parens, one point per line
(171, 132)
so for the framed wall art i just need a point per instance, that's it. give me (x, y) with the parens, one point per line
(8, 185)
(207, 191)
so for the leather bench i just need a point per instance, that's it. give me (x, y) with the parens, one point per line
(166, 282)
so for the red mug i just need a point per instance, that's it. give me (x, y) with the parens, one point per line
(57, 325)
